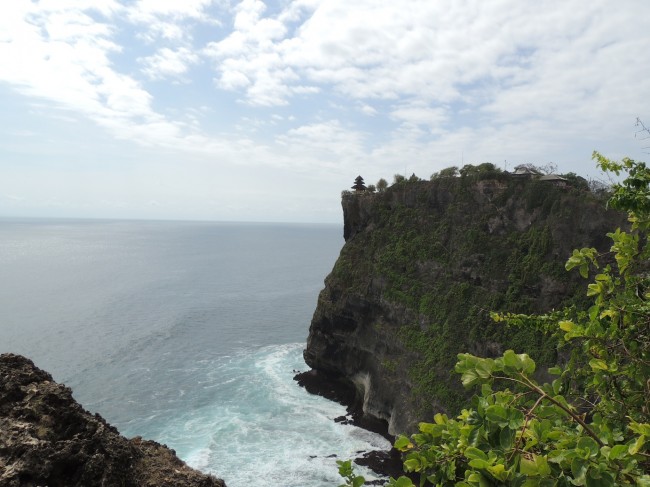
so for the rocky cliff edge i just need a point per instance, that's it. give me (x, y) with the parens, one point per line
(47, 438)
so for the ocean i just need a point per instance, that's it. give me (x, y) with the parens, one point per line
(186, 333)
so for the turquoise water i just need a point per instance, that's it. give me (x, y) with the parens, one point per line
(186, 333)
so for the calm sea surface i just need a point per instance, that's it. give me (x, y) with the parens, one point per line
(186, 333)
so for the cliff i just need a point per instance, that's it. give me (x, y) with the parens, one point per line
(47, 438)
(423, 264)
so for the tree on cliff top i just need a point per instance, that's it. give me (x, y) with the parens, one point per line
(448, 172)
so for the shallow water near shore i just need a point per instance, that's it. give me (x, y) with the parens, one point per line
(187, 333)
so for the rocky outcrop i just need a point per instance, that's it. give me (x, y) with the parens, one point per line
(423, 264)
(47, 438)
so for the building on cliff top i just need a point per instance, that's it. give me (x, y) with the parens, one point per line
(359, 184)
(526, 171)
(554, 179)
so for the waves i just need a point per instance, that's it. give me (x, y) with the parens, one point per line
(249, 423)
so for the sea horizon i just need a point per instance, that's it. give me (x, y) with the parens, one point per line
(163, 220)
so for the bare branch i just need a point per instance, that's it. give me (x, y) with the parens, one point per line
(643, 133)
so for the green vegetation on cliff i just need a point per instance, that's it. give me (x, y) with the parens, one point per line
(441, 254)
(590, 425)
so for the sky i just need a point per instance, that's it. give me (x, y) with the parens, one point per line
(265, 111)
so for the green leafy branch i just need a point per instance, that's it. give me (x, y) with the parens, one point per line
(347, 472)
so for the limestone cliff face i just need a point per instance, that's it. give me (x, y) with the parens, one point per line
(423, 264)
(47, 438)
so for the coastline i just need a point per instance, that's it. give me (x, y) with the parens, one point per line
(383, 462)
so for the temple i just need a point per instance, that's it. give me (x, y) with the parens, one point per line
(359, 185)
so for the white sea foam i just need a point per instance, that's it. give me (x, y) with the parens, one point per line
(261, 428)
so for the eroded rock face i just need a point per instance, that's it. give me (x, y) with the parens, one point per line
(48, 439)
(349, 343)
(422, 266)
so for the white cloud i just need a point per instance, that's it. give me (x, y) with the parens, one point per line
(290, 84)
(514, 59)
(65, 68)
(421, 114)
(13, 198)
(432, 59)
(65, 58)
(249, 58)
(368, 110)
(150, 11)
(168, 20)
(157, 31)
(233, 80)
(104, 7)
(327, 144)
(169, 63)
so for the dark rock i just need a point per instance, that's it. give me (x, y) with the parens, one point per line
(385, 463)
(47, 438)
(343, 392)
(320, 384)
